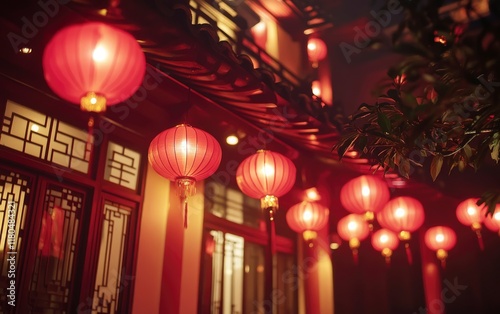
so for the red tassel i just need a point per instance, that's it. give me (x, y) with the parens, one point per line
(388, 261)
(409, 256)
(185, 204)
(480, 240)
(443, 263)
(90, 145)
(355, 256)
(273, 232)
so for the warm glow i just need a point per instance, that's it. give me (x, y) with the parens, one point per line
(496, 216)
(268, 170)
(334, 246)
(312, 46)
(232, 140)
(260, 27)
(400, 212)
(384, 238)
(307, 215)
(471, 211)
(352, 225)
(439, 237)
(312, 194)
(25, 50)
(365, 191)
(316, 88)
(93, 100)
(34, 127)
(100, 54)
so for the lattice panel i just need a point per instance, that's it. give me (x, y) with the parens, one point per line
(25, 130)
(69, 148)
(110, 276)
(122, 166)
(51, 283)
(43, 137)
(15, 192)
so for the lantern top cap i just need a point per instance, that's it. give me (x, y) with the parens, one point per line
(183, 125)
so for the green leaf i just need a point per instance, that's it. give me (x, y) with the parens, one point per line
(346, 144)
(436, 165)
(495, 147)
(408, 100)
(404, 167)
(384, 123)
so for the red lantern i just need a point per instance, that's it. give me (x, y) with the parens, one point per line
(402, 215)
(94, 65)
(365, 195)
(184, 154)
(307, 218)
(316, 50)
(470, 214)
(440, 239)
(385, 241)
(492, 222)
(353, 228)
(266, 175)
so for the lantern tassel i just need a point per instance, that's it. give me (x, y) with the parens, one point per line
(388, 261)
(185, 204)
(409, 255)
(443, 263)
(480, 239)
(273, 231)
(186, 188)
(355, 256)
(90, 144)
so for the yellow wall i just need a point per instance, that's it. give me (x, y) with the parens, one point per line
(191, 256)
(151, 244)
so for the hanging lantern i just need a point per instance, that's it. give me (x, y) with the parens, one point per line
(184, 154)
(94, 65)
(316, 50)
(266, 175)
(402, 215)
(472, 215)
(385, 241)
(365, 195)
(307, 218)
(492, 222)
(440, 239)
(353, 228)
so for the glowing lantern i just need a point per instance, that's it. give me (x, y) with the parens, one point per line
(307, 218)
(440, 239)
(385, 241)
(365, 195)
(94, 65)
(402, 215)
(266, 175)
(353, 228)
(316, 50)
(492, 222)
(470, 214)
(184, 154)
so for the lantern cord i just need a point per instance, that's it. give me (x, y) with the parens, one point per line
(480, 240)
(409, 256)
